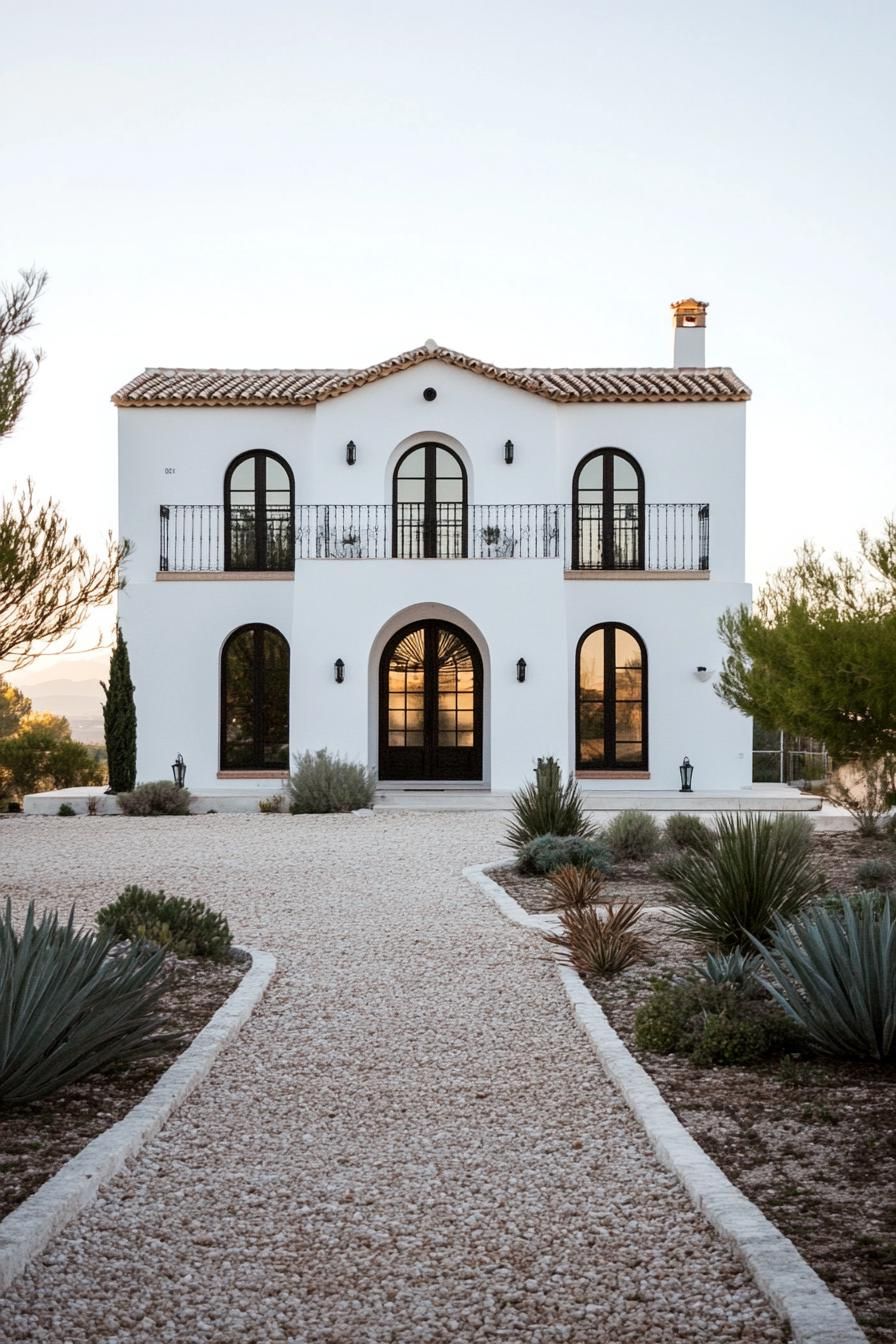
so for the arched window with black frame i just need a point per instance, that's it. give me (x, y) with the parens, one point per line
(259, 511)
(611, 699)
(608, 511)
(255, 700)
(429, 499)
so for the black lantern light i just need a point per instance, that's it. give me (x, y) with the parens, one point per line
(351, 453)
(508, 451)
(339, 670)
(429, 394)
(686, 770)
(521, 669)
(179, 770)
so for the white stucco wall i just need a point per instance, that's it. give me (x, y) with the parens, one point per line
(513, 607)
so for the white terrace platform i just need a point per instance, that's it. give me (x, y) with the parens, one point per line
(423, 798)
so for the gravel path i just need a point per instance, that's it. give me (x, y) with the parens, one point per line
(410, 1141)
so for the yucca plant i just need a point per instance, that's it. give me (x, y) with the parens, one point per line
(547, 807)
(599, 944)
(571, 885)
(834, 974)
(69, 1007)
(759, 868)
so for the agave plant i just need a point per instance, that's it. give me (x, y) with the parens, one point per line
(759, 868)
(596, 944)
(547, 807)
(69, 1006)
(571, 885)
(729, 968)
(834, 974)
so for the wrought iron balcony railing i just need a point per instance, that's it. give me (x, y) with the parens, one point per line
(197, 538)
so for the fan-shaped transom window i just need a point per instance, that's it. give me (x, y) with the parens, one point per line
(429, 494)
(608, 512)
(611, 700)
(259, 501)
(431, 704)
(255, 700)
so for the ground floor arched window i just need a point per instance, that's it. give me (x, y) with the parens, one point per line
(611, 699)
(255, 700)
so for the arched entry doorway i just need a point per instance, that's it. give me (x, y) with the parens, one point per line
(430, 704)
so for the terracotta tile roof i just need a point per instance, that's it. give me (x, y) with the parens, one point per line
(306, 387)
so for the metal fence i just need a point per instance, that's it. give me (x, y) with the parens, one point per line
(206, 537)
(790, 767)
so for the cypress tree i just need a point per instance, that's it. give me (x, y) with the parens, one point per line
(120, 720)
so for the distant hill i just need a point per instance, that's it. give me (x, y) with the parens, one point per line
(72, 690)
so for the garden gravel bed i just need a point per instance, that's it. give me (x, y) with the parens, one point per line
(37, 1138)
(410, 1140)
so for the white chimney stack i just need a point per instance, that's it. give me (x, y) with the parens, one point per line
(690, 334)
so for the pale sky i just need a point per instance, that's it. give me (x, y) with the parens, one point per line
(294, 184)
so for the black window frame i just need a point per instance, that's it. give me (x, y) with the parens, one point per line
(259, 628)
(260, 456)
(610, 762)
(608, 534)
(430, 503)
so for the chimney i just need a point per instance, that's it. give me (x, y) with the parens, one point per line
(690, 334)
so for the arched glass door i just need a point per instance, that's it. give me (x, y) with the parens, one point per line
(430, 704)
(608, 512)
(255, 700)
(611, 699)
(258, 513)
(429, 496)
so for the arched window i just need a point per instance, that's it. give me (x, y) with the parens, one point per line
(255, 700)
(429, 497)
(608, 512)
(611, 699)
(259, 501)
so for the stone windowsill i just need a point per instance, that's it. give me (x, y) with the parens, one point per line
(612, 774)
(224, 575)
(253, 774)
(614, 575)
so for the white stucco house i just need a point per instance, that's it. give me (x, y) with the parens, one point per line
(437, 566)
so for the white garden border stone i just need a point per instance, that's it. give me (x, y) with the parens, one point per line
(26, 1231)
(797, 1293)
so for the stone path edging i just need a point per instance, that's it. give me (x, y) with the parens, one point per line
(26, 1231)
(813, 1312)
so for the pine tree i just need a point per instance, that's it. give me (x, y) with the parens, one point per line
(120, 720)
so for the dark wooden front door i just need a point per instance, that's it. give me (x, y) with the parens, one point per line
(430, 704)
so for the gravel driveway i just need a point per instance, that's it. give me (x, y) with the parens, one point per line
(409, 1141)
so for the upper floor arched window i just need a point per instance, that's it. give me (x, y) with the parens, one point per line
(611, 699)
(255, 700)
(429, 498)
(259, 506)
(608, 512)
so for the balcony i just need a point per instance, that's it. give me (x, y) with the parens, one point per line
(659, 538)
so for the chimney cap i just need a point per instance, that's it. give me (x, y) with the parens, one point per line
(690, 313)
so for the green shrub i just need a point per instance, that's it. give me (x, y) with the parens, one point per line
(835, 976)
(685, 831)
(759, 868)
(186, 928)
(859, 901)
(713, 1023)
(66, 810)
(70, 1008)
(158, 798)
(547, 807)
(325, 783)
(271, 805)
(632, 835)
(876, 875)
(596, 943)
(549, 852)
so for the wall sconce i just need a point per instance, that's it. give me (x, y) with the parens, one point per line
(508, 451)
(351, 453)
(521, 669)
(339, 671)
(704, 673)
(686, 770)
(179, 770)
